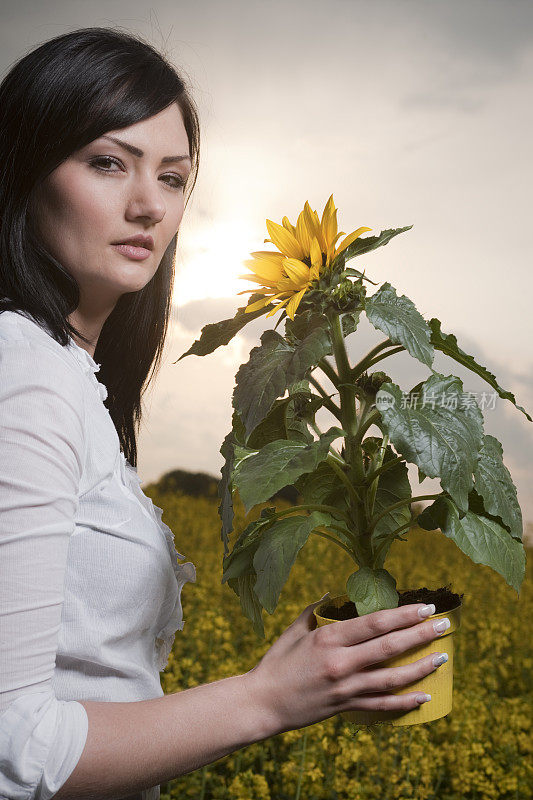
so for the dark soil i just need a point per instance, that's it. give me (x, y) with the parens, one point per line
(444, 599)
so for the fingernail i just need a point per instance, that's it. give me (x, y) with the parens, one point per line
(442, 658)
(423, 698)
(442, 625)
(426, 611)
(324, 597)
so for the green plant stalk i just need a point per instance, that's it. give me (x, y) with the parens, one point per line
(374, 485)
(329, 371)
(391, 463)
(399, 504)
(311, 507)
(336, 541)
(385, 355)
(328, 402)
(347, 395)
(362, 365)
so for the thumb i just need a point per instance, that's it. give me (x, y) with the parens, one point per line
(307, 621)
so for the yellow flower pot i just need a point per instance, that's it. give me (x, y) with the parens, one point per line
(439, 684)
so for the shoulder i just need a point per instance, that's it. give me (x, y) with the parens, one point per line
(30, 357)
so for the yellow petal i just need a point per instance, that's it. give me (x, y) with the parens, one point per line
(285, 241)
(294, 303)
(296, 270)
(286, 224)
(268, 255)
(328, 223)
(316, 252)
(258, 304)
(265, 269)
(314, 272)
(261, 281)
(349, 239)
(310, 222)
(279, 305)
(302, 234)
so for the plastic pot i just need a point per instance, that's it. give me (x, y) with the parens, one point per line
(439, 684)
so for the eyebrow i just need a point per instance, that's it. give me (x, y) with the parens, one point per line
(136, 151)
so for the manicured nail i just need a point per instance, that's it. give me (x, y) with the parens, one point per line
(423, 698)
(442, 658)
(442, 625)
(426, 611)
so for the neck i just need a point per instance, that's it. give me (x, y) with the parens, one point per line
(90, 324)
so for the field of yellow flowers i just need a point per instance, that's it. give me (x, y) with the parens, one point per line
(481, 751)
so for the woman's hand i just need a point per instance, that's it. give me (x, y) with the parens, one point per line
(312, 673)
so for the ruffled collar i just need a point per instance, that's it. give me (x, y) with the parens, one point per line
(183, 572)
(88, 364)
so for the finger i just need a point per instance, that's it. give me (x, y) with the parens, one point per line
(306, 621)
(387, 679)
(395, 643)
(352, 631)
(385, 702)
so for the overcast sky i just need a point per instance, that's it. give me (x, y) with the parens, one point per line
(412, 112)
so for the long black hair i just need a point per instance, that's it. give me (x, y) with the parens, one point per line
(55, 100)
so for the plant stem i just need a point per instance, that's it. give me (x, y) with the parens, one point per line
(329, 371)
(336, 541)
(346, 391)
(312, 507)
(399, 504)
(374, 485)
(385, 355)
(359, 368)
(391, 463)
(364, 425)
(352, 491)
(328, 402)
(302, 764)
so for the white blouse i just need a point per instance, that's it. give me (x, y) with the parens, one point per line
(90, 582)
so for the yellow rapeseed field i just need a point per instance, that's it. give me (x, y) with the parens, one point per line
(481, 751)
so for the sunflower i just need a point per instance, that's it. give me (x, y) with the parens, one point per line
(304, 252)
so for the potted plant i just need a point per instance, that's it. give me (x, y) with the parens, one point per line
(358, 495)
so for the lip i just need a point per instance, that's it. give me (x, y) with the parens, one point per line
(139, 240)
(132, 251)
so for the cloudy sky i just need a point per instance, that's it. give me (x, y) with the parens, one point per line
(411, 112)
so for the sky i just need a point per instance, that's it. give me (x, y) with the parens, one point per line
(411, 112)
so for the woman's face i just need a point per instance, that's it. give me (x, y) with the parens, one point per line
(105, 193)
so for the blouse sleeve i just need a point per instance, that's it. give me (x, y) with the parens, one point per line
(41, 460)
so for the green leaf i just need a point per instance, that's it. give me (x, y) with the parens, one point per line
(350, 322)
(258, 475)
(447, 343)
(480, 538)
(444, 441)
(494, 483)
(271, 369)
(276, 554)
(322, 486)
(240, 560)
(299, 328)
(372, 590)
(243, 586)
(216, 334)
(400, 320)
(225, 509)
(368, 243)
(393, 486)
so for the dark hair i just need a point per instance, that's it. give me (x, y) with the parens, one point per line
(55, 100)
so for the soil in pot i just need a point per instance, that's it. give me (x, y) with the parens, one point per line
(443, 598)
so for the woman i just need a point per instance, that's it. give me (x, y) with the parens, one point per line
(99, 137)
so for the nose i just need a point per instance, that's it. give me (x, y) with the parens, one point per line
(146, 201)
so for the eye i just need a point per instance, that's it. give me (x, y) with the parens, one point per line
(102, 159)
(176, 181)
